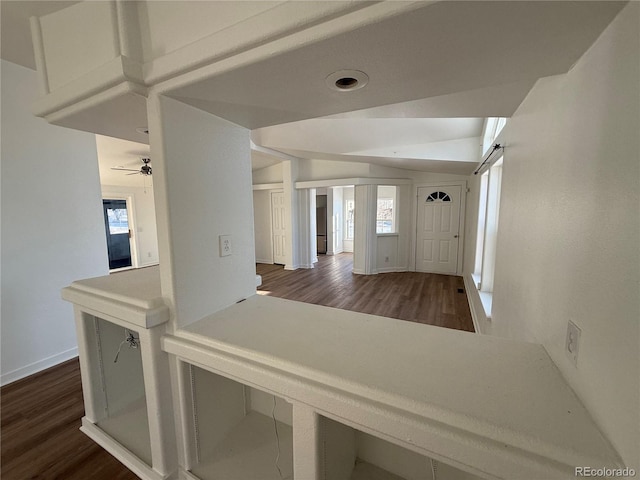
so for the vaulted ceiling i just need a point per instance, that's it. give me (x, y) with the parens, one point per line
(436, 70)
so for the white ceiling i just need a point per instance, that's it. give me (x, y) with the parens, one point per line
(15, 32)
(114, 152)
(434, 72)
(437, 50)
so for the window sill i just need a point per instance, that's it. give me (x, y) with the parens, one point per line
(486, 298)
(387, 234)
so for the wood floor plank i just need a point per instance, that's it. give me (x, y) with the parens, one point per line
(41, 439)
(418, 297)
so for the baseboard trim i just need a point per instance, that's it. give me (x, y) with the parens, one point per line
(260, 260)
(469, 286)
(38, 366)
(358, 271)
(392, 269)
(295, 267)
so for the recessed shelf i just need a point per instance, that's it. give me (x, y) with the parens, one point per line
(123, 404)
(131, 428)
(351, 454)
(367, 471)
(236, 432)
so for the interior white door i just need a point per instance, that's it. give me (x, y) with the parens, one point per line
(438, 227)
(278, 227)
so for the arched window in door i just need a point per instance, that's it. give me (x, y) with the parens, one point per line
(439, 196)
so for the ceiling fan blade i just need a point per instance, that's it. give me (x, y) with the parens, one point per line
(125, 169)
(136, 173)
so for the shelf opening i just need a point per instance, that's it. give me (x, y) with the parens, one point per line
(124, 404)
(350, 454)
(236, 434)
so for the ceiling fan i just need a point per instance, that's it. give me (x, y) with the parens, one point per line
(145, 169)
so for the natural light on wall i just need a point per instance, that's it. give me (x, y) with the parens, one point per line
(386, 213)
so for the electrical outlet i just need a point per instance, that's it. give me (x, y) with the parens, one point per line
(386, 259)
(225, 245)
(572, 343)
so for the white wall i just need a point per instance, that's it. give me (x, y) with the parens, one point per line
(202, 170)
(330, 169)
(52, 228)
(569, 227)
(271, 174)
(146, 235)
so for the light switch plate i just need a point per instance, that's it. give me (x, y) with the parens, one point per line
(225, 245)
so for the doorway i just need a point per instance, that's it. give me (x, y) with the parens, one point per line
(321, 224)
(118, 232)
(438, 229)
(278, 227)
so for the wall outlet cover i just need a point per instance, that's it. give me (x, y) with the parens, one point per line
(225, 245)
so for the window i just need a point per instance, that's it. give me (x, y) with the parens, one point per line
(386, 212)
(438, 196)
(349, 218)
(118, 220)
(487, 235)
(492, 128)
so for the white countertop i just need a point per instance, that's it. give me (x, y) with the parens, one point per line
(133, 295)
(500, 389)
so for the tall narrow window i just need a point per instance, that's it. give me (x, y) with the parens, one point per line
(349, 218)
(487, 236)
(386, 211)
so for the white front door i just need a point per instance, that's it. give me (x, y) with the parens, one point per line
(278, 227)
(438, 227)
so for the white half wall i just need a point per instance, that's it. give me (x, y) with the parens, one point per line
(569, 227)
(146, 234)
(52, 228)
(202, 170)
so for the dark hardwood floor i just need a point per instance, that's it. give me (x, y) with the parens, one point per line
(429, 298)
(41, 413)
(40, 437)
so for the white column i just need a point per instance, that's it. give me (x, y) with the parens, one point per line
(306, 227)
(364, 242)
(331, 224)
(289, 178)
(313, 227)
(307, 444)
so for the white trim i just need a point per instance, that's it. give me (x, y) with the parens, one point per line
(38, 50)
(391, 269)
(262, 260)
(469, 286)
(268, 186)
(297, 266)
(353, 181)
(38, 366)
